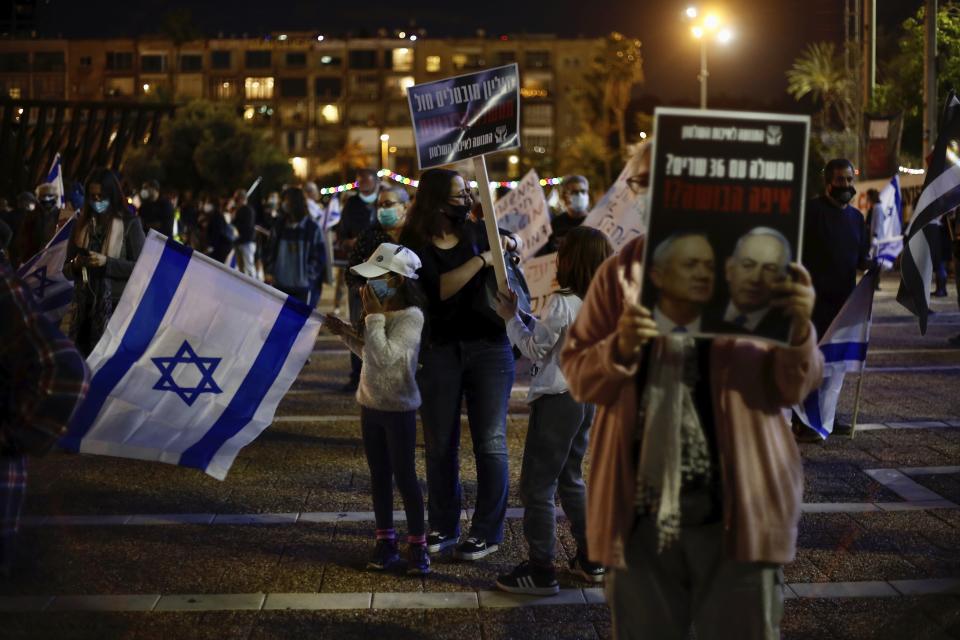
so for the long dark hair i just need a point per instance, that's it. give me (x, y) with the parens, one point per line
(582, 252)
(426, 216)
(110, 187)
(297, 204)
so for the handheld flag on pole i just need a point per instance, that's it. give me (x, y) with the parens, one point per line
(940, 194)
(43, 273)
(55, 177)
(253, 187)
(887, 228)
(844, 348)
(184, 377)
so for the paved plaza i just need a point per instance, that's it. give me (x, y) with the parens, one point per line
(115, 548)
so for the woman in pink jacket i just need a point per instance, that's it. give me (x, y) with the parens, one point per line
(695, 480)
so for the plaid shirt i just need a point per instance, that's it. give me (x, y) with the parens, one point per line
(42, 375)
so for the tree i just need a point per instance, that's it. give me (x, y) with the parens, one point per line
(208, 146)
(818, 73)
(178, 26)
(623, 68)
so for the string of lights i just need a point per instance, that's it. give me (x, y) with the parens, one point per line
(410, 182)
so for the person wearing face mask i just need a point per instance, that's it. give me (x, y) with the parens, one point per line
(26, 206)
(105, 244)
(391, 210)
(466, 354)
(575, 193)
(294, 258)
(39, 224)
(219, 235)
(156, 212)
(836, 242)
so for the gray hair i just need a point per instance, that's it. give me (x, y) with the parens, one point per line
(400, 192)
(568, 180)
(663, 250)
(772, 233)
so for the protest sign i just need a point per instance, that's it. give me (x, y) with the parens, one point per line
(466, 116)
(726, 214)
(523, 211)
(623, 210)
(541, 276)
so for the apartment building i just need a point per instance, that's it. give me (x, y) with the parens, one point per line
(315, 94)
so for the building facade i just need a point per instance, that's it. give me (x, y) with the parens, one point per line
(316, 95)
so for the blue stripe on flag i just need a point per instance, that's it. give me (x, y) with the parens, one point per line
(811, 407)
(56, 300)
(844, 351)
(258, 381)
(143, 326)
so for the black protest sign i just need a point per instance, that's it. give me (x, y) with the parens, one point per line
(726, 216)
(466, 116)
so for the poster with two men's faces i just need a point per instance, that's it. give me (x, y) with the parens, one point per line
(726, 216)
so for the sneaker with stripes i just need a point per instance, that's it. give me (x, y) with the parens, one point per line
(531, 580)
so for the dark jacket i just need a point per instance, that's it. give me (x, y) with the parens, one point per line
(295, 255)
(158, 214)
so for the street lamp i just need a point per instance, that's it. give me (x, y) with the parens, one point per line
(384, 149)
(710, 25)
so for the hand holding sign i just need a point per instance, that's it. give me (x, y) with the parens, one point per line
(636, 325)
(796, 299)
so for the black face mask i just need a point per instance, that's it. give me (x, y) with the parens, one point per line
(458, 212)
(48, 204)
(843, 195)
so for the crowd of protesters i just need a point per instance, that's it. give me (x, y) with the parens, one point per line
(689, 523)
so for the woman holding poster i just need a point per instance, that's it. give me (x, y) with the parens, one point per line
(465, 354)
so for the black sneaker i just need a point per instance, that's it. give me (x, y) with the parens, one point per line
(530, 579)
(437, 542)
(418, 560)
(589, 571)
(385, 555)
(473, 549)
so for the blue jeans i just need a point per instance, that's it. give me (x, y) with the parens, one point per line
(552, 461)
(482, 371)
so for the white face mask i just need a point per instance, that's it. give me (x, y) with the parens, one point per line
(579, 202)
(369, 198)
(208, 207)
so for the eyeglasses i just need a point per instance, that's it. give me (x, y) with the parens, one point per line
(463, 195)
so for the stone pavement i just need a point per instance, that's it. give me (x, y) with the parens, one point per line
(115, 548)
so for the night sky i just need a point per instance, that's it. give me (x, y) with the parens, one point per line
(770, 33)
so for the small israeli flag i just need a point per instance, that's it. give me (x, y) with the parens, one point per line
(55, 177)
(186, 376)
(331, 216)
(844, 348)
(43, 273)
(887, 229)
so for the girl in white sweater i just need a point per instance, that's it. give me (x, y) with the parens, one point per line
(389, 397)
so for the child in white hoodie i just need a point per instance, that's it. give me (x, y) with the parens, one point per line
(389, 397)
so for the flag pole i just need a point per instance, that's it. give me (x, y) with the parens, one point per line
(863, 367)
(490, 221)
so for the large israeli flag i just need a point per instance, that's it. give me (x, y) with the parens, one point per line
(193, 363)
(844, 348)
(43, 273)
(887, 228)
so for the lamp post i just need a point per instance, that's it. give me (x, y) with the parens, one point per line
(710, 26)
(384, 150)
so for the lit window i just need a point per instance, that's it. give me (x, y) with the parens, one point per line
(403, 59)
(14, 93)
(258, 88)
(433, 64)
(330, 114)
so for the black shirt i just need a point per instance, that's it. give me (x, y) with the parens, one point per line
(835, 244)
(357, 216)
(560, 225)
(159, 215)
(456, 318)
(243, 220)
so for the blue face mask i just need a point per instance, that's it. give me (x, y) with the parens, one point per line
(368, 198)
(381, 288)
(388, 216)
(100, 205)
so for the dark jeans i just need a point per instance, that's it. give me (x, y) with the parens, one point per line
(557, 439)
(390, 440)
(482, 371)
(355, 309)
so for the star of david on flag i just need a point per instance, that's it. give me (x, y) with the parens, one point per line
(43, 273)
(185, 377)
(186, 355)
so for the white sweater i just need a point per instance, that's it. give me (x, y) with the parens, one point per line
(542, 341)
(390, 351)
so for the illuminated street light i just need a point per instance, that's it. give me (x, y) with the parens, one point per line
(711, 26)
(384, 150)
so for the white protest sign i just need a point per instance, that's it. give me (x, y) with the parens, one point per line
(524, 212)
(541, 276)
(623, 212)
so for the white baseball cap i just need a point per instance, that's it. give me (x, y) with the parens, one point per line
(389, 257)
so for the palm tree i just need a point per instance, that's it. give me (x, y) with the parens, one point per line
(178, 26)
(624, 67)
(818, 73)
